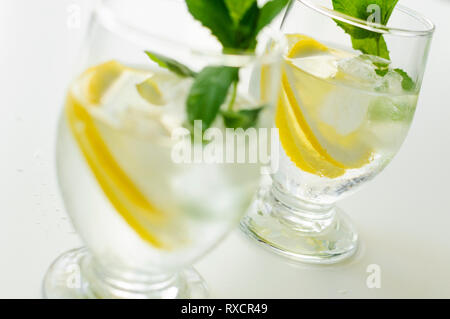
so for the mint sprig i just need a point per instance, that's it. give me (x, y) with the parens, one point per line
(369, 42)
(366, 41)
(236, 24)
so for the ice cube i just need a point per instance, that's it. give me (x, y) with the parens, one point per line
(124, 108)
(375, 60)
(393, 108)
(345, 110)
(358, 70)
(390, 83)
(322, 66)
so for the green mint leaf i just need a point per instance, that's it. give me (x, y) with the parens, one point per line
(209, 92)
(246, 30)
(241, 119)
(238, 8)
(381, 72)
(373, 46)
(255, 20)
(235, 23)
(353, 9)
(382, 68)
(407, 83)
(389, 7)
(170, 64)
(366, 41)
(214, 15)
(365, 10)
(268, 12)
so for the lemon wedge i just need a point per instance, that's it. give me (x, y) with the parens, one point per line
(306, 47)
(297, 145)
(101, 78)
(313, 144)
(150, 92)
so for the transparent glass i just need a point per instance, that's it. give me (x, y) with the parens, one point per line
(144, 215)
(342, 117)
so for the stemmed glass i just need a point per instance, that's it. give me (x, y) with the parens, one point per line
(342, 117)
(144, 210)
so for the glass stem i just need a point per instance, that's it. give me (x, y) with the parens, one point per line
(300, 215)
(118, 283)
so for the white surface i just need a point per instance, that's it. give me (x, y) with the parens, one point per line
(403, 216)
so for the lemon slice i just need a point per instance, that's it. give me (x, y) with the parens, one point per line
(294, 38)
(101, 78)
(122, 193)
(306, 47)
(150, 92)
(323, 149)
(297, 145)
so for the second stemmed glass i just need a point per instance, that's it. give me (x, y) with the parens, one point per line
(342, 117)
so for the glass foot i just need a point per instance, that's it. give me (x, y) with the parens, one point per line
(301, 232)
(74, 275)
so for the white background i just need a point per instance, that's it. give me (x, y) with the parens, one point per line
(403, 216)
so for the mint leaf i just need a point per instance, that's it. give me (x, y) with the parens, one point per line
(209, 92)
(365, 9)
(381, 72)
(382, 68)
(237, 8)
(373, 46)
(268, 12)
(235, 23)
(388, 6)
(170, 64)
(255, 20)
(246, 30)
(356, 9)
(366, 41)
(241, 119)
(408, 84)
(214, 15)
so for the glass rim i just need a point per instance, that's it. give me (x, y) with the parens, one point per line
(428, 29)
(139, 35)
